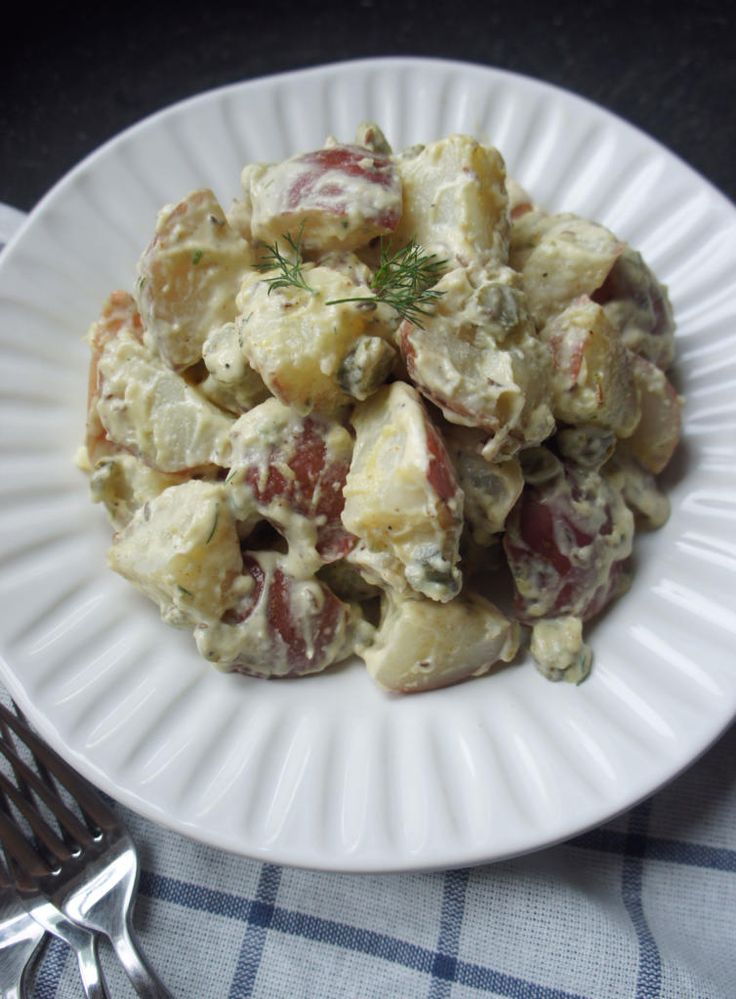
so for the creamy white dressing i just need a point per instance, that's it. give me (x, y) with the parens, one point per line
(188, 277)
(336, 208)
(226, 416)
(391, 503)
(559, 650)
(149, 410)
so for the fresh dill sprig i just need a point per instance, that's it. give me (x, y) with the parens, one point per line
(404, 280)
(289, 270)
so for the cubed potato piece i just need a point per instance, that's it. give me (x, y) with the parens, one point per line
(559, 650)
(585, 445)
(119, 313)
(149, 410)
(123, 483)
(401, 494)
(421, 645)
(337, 198)
(657, 433)
(490, 488)
(639, 489)
(567, 542)
(298, 343)
(281, 626)
(290, 470)
(480, 360)
(188, 277)
(182, 550)
(593, 378)
(520, 201)
(560, 258)
(366, 367)
(370, 135)
(638, 308)
(455, 203)
(231, 383)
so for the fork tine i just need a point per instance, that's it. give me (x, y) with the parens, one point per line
(17, 847)
(28, 781)
(41, 829)
(84, 794)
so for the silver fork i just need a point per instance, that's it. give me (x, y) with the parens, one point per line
(93, 874)
(20, 938)
(39, 908)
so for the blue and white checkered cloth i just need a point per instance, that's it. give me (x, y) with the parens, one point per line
(641, 908)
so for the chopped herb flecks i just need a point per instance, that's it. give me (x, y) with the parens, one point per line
(214, 526)
(289, 271)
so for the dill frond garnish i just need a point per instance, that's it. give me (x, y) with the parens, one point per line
(404, 280)
(289, 270)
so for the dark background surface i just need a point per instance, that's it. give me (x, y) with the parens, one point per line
(76, 76)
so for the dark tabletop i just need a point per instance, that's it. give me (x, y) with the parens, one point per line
(73, 78)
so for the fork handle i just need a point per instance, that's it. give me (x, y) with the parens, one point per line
(89, 969)
(142, 977)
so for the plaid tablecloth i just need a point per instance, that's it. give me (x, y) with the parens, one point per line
(641, 908)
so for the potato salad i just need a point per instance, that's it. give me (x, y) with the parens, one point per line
(379, 394)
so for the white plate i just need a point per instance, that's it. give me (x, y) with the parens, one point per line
(327, 771)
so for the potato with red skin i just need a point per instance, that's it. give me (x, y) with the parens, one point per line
(560, 257)
(154, 413)
(455, 204)
(299, 344)
(422, 645)
(119, 312)
(181, 549)
(337, 198)
(282, 626)
(290, 470)
(402, 499)
(478, 358)
(188, 277)
(592, 380)
(638, 307)
(491, 488)
(657, 433)
(567, 541)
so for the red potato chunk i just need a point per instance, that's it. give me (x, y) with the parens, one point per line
(339, 198)
(520, 201)
(119, 312)
(479, 359)
(567, 541)
(153, 413)
(304, 349)
(282, 627)
(491, 488)
(657, 434)
(560, 258)
(402, 499)
(188, 277)
(181, 549)
(291, 470)
(592, 371)
(638, 307)
(422, 645)
(455, 201)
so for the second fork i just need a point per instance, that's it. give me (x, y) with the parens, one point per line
(93, 873)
